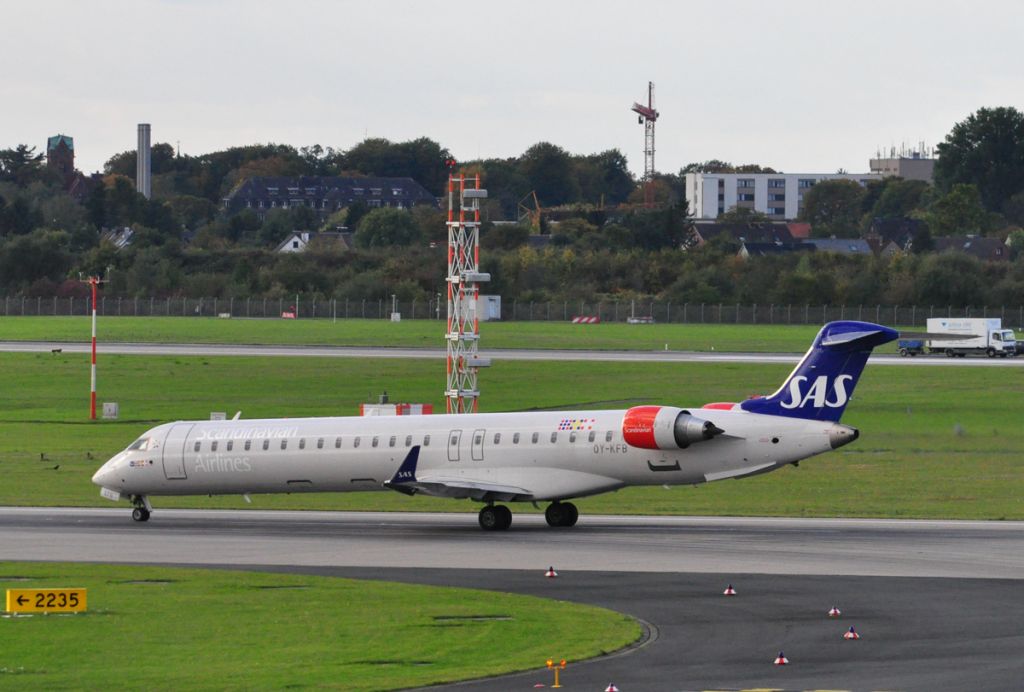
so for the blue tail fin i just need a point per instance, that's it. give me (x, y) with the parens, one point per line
(823, 381)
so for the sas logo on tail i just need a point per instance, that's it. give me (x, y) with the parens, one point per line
(818, 393)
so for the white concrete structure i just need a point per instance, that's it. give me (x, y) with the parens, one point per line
(777, 195)
(143, 163)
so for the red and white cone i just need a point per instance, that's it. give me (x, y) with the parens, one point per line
(851, 634)
(551, 573)
(834, 613)
(729, 591)
(611, 688)
(781, 659)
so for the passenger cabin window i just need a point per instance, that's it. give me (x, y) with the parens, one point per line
(408, 440)
(515, 439)
(248, 445)
(231, 445)
(213, 446)
(391, 442)
(536, 436)
(302, 443)
(572, 437)
(454, 441)
(320, 443)
(355, 443)
(554, 437)
(284, 444)
(497, 438)
(375, 440)
(337, 443)
(608, 436)
(198, 443)
(478, 440)
(591, 436)
(266, 445)
(426, 440)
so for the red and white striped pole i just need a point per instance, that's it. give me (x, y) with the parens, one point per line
(93, 281)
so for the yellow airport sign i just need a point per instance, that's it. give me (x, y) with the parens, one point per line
(46, 600)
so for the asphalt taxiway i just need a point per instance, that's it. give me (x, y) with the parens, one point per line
(938, 603)
(140, 349)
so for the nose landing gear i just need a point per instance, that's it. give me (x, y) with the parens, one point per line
(142, 508)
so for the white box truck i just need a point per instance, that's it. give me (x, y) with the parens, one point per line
(974, 335)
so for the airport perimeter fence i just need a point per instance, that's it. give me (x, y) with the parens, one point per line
(548, 311)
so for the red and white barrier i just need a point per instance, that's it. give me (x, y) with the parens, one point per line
(586, 319)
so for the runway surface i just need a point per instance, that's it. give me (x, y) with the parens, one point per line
(497, 354)
(939, 604)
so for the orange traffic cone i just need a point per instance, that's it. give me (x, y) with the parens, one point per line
(781, 659)
(834, 613)
(729, 591)
(851, 634)
(551, 573)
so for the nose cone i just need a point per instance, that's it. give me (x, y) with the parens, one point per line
(839, 435)
(105, 475)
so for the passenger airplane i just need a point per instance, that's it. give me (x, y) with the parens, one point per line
(494, 458)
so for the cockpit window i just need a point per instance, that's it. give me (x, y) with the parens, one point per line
(140, 445)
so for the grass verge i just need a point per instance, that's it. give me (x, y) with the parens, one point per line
(413, 333)
(170, 628)
(936, 442)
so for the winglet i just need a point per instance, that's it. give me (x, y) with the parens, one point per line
(405, 476)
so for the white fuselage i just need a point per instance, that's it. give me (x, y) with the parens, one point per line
(557, 455)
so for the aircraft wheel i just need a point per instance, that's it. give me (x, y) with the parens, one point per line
(140, 514)
(573, 514)
(561, 514)
(490, 518)
(504, 517)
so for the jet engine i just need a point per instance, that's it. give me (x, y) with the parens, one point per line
(665, 427)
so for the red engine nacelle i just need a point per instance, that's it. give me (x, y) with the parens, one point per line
(665, 427)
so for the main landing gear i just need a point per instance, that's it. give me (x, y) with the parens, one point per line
(142, 508)
(561, 514)
(495, 518)
(558, 514)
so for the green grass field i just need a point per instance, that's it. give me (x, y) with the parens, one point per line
(936, 442)
(153, 628)
(413, 333)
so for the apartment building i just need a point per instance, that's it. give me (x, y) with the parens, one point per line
(778, 195)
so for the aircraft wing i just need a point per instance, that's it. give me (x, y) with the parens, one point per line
(500, 485)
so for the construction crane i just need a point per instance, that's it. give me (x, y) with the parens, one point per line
(533, 213)
(647, 116)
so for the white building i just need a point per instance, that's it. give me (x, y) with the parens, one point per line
(777, 195)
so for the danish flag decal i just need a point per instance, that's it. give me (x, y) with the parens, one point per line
(823, 381)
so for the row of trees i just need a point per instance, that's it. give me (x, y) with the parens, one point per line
(45, 236)
(711, 274)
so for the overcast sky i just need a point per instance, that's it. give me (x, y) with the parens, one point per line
(800, 86)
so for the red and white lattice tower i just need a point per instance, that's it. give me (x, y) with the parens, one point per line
(464, 279)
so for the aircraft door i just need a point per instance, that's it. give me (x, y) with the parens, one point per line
(174, 451)
(454, 438)
(478, 444)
